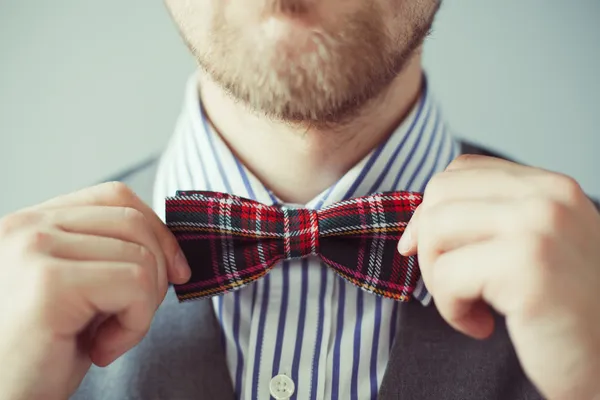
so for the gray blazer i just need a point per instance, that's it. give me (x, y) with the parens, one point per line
(182, 357)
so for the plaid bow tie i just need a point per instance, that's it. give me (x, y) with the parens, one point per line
(231, 241)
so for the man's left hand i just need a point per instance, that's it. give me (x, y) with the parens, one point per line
(526, 242)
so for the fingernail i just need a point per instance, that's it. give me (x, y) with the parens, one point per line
(405, 241)
(181, 265)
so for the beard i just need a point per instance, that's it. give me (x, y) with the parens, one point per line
(321, 75)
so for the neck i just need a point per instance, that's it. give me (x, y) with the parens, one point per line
(296, 161)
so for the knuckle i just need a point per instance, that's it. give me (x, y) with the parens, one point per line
(141, 277)
(535, 274)
(37, 241)
(548, 213)
(12, 222)
(146, 257)
(463, 160)
(7, 225)
(536, 251)
(429, 217)
(569, 188)
(120, 192)
(133, 217)
(434, 186)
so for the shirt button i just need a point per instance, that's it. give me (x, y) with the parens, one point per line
(281, 387)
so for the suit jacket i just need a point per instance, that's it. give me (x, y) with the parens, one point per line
(182, 357)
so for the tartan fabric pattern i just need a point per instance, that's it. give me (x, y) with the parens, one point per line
(231, 241)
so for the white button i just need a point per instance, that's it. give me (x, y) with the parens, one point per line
(281, 387)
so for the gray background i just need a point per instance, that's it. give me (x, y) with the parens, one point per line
(88, 88)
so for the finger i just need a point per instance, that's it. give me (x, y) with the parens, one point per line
(500, 177)
(125, 224)
(115, 194)
(407, 246)
(122, 290)
(561, 188)
(92, 288)
(82, 247)
(467, 278)
(120, 333)
(476, 184)
(451, 225)
(469, 184)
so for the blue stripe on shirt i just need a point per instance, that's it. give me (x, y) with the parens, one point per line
(375, 349)
(319, 340)
(282, 317)
(399, 147)
(426, 153)
(409, 158)
(301, 322)
(202, 165)
(393, 324)
(254, 289)
(260, 337)
(236, 336)
(447, 158)
(335, 383)
(245, 179)
(356, 347)
(324, 198)
(211, 143)
(364, 172)
(437, 160)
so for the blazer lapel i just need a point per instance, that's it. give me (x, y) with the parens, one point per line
(430, 360)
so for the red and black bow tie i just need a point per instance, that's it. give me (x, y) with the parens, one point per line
(231, 241)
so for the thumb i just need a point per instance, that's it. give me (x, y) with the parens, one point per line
(408, 242)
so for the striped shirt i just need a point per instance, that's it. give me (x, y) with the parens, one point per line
(330, 338)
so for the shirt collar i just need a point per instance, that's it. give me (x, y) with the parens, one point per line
(197, 158)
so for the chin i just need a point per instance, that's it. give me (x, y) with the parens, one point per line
(302, 60)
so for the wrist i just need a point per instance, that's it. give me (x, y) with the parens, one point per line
(30, 363)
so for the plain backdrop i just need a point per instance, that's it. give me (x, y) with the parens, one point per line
(90, 87)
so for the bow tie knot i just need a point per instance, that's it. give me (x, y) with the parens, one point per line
(300, 232)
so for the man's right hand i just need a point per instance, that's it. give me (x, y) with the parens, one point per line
(81, 277)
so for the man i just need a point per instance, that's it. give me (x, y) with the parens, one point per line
(305, 104)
